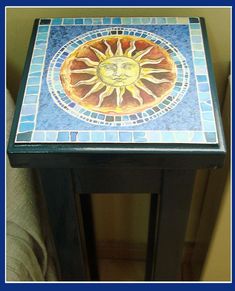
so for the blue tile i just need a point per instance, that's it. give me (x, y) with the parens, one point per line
(204, 96)
(126, 20)
(43, 28)
(208, 116)
(26, 136)
(198, 54)
(78, 21)
(63, 136)
(146, 20)
(111, 136)
(84, 136)
(195, 26)
(32, 90)
(97, 21)
(97, 136)
(51, 136)
(27, 126)
(136, 20)
(33, 81)
(38, 136)
(209, 126)
(41, 45)
(73, 136)
(116, 20)
(87, 21)
(68, 21)
(28, 109)
(199, 62)
(154, 136)
(37, 60)
(27, 118)
(210, 136)
(106, 20)
(206, 107)
(201, 78)
(56, 21)
(168, 137)
(198, 137)
(35, 68)
(38, 52)
(182, 137)
(125, 136)
(200, 70)
(30, 99)
(42, 36)
(161, 20)
(171, 20)
(203, 87)
(140, 137)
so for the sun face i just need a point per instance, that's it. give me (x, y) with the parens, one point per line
(118, 75)
(118, 71)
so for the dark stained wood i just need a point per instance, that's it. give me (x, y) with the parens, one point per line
(121, 180)
(86, 207)
(152, 231)
(175, 199)
(65, 223)
(129, 158)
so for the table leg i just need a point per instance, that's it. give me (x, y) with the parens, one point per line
(65, 224)
(168, 225)
(87, 214)
(151, 235)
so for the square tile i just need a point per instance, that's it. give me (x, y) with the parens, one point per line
(118, 80)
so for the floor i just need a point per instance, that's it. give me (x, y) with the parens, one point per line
(134, 270)
(121, 270)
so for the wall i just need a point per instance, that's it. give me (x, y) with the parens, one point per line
(124, 217)
(217, 264)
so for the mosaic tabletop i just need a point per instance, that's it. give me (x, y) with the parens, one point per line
(118, 80)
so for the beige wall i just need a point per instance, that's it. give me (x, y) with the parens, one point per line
(125, 217)
(217, 265)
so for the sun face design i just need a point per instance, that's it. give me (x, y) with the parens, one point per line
(118, 75)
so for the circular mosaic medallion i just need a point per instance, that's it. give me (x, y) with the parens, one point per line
(118, 76)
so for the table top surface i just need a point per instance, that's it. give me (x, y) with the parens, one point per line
(118, 80)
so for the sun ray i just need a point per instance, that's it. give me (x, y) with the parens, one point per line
(91, 71)
(108, 51)
(98, 53)
(140, 54)
(130, 50)
(147, 71)
(98, 86)
(155, 80)
(120, 92)
(135, 93)
(91, 81)
(150, 62)
(144, 88)
(107, 92)
(88, 61)
(119, 51)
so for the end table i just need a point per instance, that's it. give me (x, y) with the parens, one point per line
(111, 105)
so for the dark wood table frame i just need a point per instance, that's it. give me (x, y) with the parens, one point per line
(70, 172)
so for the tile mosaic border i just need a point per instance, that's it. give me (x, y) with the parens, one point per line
(26, 132)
